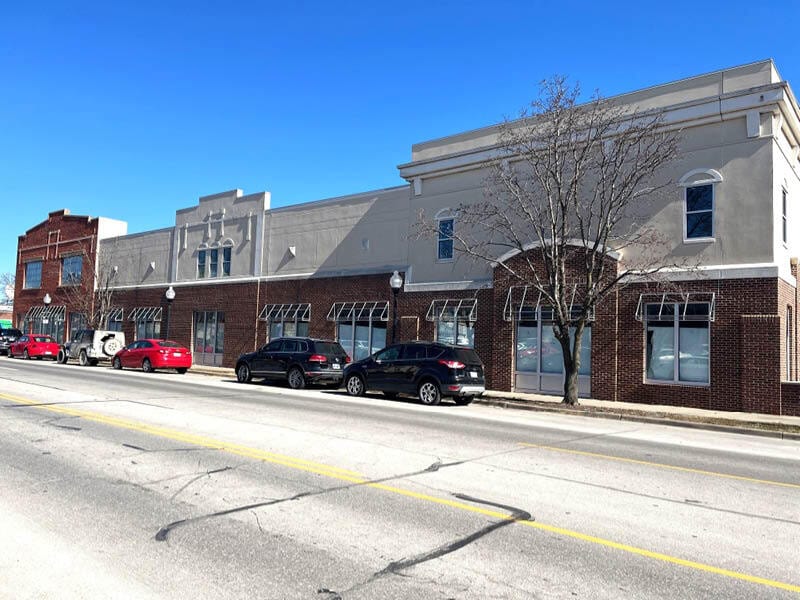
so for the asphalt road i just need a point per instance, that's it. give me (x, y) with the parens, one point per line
(128, 485)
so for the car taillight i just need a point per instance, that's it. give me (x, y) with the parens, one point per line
(452, 364)
(317, 358)
(162, 351)
(346, 359)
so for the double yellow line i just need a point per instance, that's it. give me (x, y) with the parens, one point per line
(352, 477)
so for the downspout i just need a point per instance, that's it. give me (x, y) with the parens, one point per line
(616, 344)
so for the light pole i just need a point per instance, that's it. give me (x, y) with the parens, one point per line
(46, 313)
(395, 282)
(170, 296)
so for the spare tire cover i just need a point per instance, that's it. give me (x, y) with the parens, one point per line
(111, 346)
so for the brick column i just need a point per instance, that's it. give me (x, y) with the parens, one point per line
(760, 357)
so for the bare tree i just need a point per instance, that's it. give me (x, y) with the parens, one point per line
(92, 292)
(568, 185)
(7, 288)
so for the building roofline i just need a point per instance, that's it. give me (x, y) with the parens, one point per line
(358, 195)
(488, 128)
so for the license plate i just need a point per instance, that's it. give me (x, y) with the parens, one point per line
(47, 352)
(336, 366)
(473, 374)
(176, 354)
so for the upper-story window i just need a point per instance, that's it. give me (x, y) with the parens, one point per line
(213, 262)
(33, 275)
(784, 212)
(446, 228)
(700, 211)
(698, 205)
(71, 267)
(208, 260)
(226, 261)
(201, 264)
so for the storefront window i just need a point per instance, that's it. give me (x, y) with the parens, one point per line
(680, 326)
(360, 326)
(538, 349)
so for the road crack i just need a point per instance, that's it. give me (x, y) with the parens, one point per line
(397, 567)
(164, 532)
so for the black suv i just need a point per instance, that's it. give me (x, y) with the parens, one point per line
(8, 337)
(427, 370)
(297, 360)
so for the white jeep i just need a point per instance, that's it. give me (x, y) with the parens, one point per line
(89, 346)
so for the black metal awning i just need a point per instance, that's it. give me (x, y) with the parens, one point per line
(359, 311)
(453, 309)
(286, 312)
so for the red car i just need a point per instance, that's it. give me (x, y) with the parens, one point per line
(34, 345)
(150, 355)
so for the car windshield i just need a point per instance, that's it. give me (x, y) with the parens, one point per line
(169, 344)
(328, 348)
(12, 332)
(43, 338)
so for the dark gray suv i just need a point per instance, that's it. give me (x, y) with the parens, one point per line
(7, 337)
(428, 370)
(296, 360)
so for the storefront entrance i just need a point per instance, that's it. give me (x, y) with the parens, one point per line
(539, 362)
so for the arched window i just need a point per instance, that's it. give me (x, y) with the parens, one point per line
(227, 250)
(699, 191)
(202, 250)
(209, 257)
(445, 228)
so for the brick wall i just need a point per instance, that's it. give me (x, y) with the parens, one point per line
(61, 234)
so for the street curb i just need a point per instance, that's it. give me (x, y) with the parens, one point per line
(612, 416)
(522, 405)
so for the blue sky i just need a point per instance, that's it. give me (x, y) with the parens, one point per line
(131, 110)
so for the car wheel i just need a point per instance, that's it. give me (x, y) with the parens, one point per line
(83, 359)
(243, 374)
(61, 357)
(26, 355)
(147, 366)
(428, 393)
(297, 380)
(355, 385)
(116, 363)
(181, 370)
(10, 353)
(464, 400)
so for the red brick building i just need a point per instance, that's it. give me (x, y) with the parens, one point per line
(243, 272)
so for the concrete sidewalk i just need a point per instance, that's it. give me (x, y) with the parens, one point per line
(783, 427)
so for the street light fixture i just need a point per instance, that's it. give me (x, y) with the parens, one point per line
(170, 296)
(395, 282)
(46, 313)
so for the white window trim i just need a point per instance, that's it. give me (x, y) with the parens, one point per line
(25, 285)
(785, 216)
(688, 180)
(439, 219)
(676, 362)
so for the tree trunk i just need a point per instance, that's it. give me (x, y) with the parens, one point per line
(572, 363)
(571, 386)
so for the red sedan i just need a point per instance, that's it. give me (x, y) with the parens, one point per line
(150, 355)
(34, 345)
